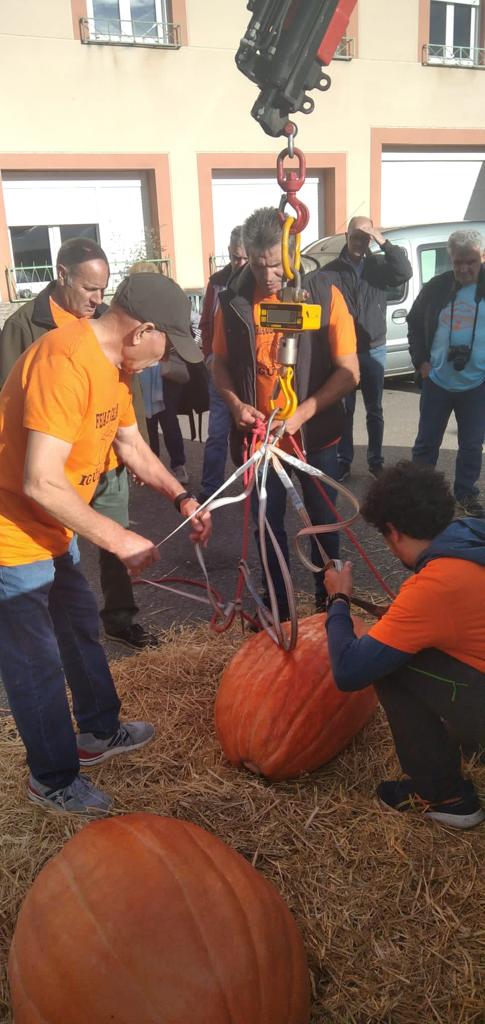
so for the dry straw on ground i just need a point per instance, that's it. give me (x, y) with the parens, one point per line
(391, 907)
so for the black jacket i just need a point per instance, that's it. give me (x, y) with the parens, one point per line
(424, 314)
(365, 294)
(313, 366)
(29, 322)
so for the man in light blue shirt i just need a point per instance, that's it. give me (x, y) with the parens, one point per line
(446, 330)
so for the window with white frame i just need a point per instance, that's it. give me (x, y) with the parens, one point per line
(129, 21)
(454, 32)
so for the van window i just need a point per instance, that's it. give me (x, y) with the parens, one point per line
(433, 260)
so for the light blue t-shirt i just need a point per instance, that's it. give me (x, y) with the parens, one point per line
(459, 332)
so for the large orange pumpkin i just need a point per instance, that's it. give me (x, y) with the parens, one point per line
(280, 714)
(148, 920)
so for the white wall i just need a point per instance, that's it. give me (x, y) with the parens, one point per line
(235, 198)
(426, 188)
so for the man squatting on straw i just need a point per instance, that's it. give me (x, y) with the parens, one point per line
(426, 655)
(65, 402)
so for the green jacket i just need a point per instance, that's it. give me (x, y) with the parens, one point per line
(33, 319)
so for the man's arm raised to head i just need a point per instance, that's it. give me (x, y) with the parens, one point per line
(45, 482)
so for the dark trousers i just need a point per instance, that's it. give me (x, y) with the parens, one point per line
(168, 420)
(435, 706)
(317, 509)
(49, 630)
(435, 409)
(111, 500)
(215, 448)
(372, 366)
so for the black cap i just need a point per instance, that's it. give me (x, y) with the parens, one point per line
(157, 299)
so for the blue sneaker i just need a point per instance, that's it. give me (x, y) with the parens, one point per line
(461, 811)
(80, 797)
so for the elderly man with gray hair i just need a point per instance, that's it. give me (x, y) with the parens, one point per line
(446, 331)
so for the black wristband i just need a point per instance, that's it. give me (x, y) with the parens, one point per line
(183, 496)
(337, 597)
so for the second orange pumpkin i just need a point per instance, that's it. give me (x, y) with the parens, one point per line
(280, 714)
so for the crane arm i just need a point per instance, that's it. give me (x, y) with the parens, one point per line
(286, 44)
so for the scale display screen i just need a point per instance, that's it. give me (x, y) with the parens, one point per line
(290, 316)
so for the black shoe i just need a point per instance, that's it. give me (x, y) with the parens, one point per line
(132, 635)
(461, 811)
(343, 472)
(469, 505)
(320, 603)
(377, 470)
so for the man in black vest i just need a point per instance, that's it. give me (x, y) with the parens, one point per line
(245, 372)
(363, 278)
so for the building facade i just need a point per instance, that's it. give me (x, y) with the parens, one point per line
(128, 121)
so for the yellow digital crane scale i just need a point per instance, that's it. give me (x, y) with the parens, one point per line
(290, 316)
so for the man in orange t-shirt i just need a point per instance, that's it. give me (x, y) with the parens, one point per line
(66, 402)
(82, 276)
(245, 371)
(426, 655)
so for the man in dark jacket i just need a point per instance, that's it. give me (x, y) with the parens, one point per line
(446, 331)
(215, 449)
(246, 371)
(82, 276)
(363, 278)
(426, 655)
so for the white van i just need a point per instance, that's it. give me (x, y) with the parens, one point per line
(425, 245)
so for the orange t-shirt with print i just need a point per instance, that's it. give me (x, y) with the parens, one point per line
(341, 336)
(63, 386)
(61, 317)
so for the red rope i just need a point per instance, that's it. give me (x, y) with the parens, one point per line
(349, 533)
(258, 434)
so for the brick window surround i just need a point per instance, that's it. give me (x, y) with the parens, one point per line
(424, 20)
(155, 165)
(179, 17)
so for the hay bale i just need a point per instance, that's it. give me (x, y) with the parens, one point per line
(391, 907)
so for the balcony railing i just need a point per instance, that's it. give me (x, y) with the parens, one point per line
(453, 56)
(345, 49)
(136, 32)
(24, 282)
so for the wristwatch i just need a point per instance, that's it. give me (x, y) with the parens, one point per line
(337, 597)
(183, 496)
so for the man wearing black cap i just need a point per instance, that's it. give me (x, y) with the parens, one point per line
(82, 274)
(66, 401)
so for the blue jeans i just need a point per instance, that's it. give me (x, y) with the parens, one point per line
(436, 406)
(49, 633)
(372, 365)
(215, 451)
(317, 509)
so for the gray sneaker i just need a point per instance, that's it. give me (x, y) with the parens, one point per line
(130, 736)
(80, 797)
(181, 474)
